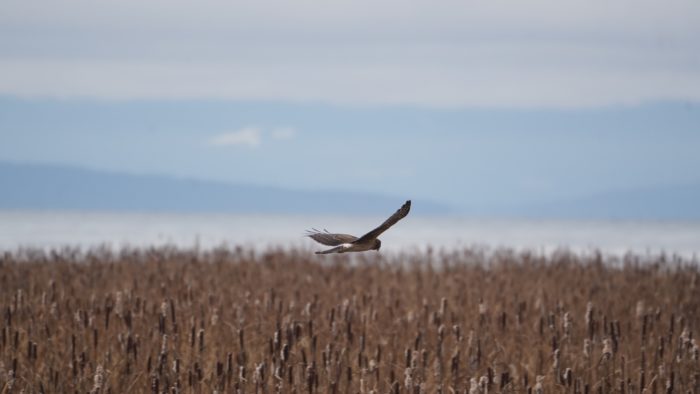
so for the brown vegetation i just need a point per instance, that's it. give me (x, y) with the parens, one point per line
(167, 320)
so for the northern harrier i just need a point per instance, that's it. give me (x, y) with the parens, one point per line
(348, 243)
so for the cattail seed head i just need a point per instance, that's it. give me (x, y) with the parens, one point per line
(10, 380)
(98, 379)
(555, 362)
(214, 317)
(640, 310)
(587, 348)
(589, 313)
(443, 306)
(483, 383)
(607, 349)
(474, 386)
(164, 309)
(539, 389)
(408, 379)
(119, 304)
(567, 324)
(164, 344)
(483, 308)
(259, 373)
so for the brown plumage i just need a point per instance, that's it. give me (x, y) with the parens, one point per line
(348, 243)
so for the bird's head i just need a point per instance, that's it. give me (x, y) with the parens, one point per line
(377, 244)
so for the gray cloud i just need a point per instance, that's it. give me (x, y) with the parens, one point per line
(459, 53)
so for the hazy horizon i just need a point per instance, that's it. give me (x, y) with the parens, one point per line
(416, 233)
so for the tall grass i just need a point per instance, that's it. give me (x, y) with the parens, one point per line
(168, 320)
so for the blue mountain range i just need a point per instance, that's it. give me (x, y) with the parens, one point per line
(57, 187)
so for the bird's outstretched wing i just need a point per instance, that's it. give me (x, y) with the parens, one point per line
(330, 239)
(398, 215)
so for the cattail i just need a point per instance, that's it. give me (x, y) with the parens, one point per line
(483, 308)
(454, 363)
(568, 377)
(484, 384)
(567, 324)
(474, 387)
(172, 311)
(242, 374)
(98, 379)
(685, 338)
(555, 362)
(607, 350)
(10, 380)
(457, 332)
(201, 340)
(20, 299)
(277, 374)
(372, 365)
(119, 304)
(415, 358)
(670, 383)
(589, 316)
(164, 344)
(505, 380)
(589, 313)
(310, 376)
(539, 389)
(587, 348)
(164, 309)
(640, 310)
(214, 317)
(408, 379)
(155, 384)
(259, 373)
(241, 339)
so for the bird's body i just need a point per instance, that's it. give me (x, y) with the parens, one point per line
(343, 243)
(343, 248)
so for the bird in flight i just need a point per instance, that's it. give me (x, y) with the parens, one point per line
(343, 243)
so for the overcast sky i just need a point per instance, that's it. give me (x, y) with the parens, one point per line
(543, 53)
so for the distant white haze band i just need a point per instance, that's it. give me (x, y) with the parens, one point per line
(47, 230)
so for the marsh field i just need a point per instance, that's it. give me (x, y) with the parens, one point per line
(283, 320)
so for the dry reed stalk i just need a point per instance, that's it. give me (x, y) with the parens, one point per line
(283, 321)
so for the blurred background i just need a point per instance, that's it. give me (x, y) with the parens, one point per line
(528, 124)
